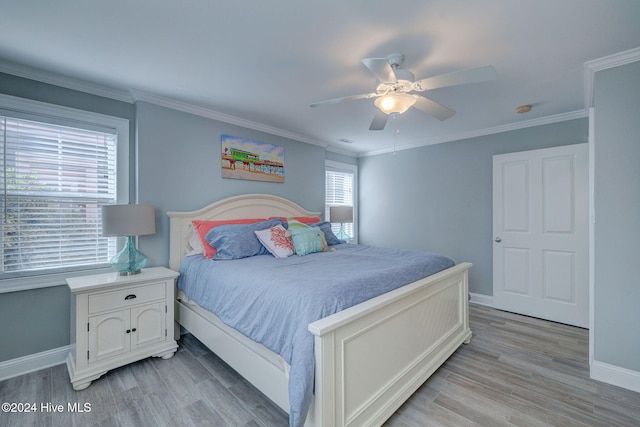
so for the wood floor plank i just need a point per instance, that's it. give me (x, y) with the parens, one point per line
(517, 371)
(167, 412)
(202, 415)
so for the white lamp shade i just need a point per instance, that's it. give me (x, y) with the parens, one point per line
(395, 103)
(341, 214)
(128, 220)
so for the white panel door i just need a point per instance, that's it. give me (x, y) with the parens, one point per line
(540, 225)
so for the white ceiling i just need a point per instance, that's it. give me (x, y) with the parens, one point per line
(264, 62)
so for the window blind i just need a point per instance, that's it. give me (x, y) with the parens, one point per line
(339, 186)
(54, 182)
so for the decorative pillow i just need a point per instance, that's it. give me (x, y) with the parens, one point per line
(277, 240)
(234, 241)
(307, 240)
(194, 244)
(203, 227)
(294, 223)
(302, 219)
(331, 238)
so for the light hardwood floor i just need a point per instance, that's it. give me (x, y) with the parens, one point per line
(517, 371)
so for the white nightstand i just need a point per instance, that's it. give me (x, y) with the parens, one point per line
(117, 320)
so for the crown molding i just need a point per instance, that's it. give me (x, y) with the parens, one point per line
(202, 111)
(64, 81)
(133, 95)
(342, 151)
(611, 61)
(487, 131)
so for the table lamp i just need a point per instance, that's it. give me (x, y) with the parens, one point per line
(341, 214)
(128, 221)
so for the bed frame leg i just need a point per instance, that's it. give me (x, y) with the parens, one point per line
(176, 331)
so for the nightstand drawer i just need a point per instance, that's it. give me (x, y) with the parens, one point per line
(126, 297)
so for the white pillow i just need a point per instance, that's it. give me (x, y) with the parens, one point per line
(277, 240)
(194, 244)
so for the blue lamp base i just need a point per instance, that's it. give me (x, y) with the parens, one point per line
(342, 234)
(129, 260)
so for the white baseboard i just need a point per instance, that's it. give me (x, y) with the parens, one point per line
(615, 375)
(481, 299)
(33, 362)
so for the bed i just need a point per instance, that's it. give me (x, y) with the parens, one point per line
(368, 358)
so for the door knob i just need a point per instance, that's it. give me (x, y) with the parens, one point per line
(498, 240)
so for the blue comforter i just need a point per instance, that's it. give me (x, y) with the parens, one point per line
(272, 300)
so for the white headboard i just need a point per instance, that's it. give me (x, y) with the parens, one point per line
(245, 206)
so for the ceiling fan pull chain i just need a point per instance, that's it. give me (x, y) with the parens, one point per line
(394, 137)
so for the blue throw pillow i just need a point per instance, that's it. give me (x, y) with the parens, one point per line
(234, 241)
(331, 238)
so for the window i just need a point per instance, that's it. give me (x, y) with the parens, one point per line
(340, 190)
(56, 174)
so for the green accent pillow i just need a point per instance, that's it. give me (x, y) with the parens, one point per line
(294, 223)
(307, 240)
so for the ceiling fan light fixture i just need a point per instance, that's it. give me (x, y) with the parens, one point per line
(395, 103)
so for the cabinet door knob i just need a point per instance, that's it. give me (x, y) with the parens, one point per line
(130, 296)
(133, 329)
(128, 331)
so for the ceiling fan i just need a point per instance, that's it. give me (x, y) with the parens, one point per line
(395, 90)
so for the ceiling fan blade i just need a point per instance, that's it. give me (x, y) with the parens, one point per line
(345, 98)
(473, 75)
(381, 68)
(432, 108)
(379, 120)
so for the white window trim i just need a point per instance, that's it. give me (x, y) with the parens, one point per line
(121, 125)
(347, 167)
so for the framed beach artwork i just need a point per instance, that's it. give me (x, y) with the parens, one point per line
(246, 159)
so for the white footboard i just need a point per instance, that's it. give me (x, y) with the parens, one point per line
(372, 357)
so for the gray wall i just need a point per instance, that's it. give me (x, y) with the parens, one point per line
(336, 157)
(617, 216)
(33, 321)
(178, 168)
(438, 198)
